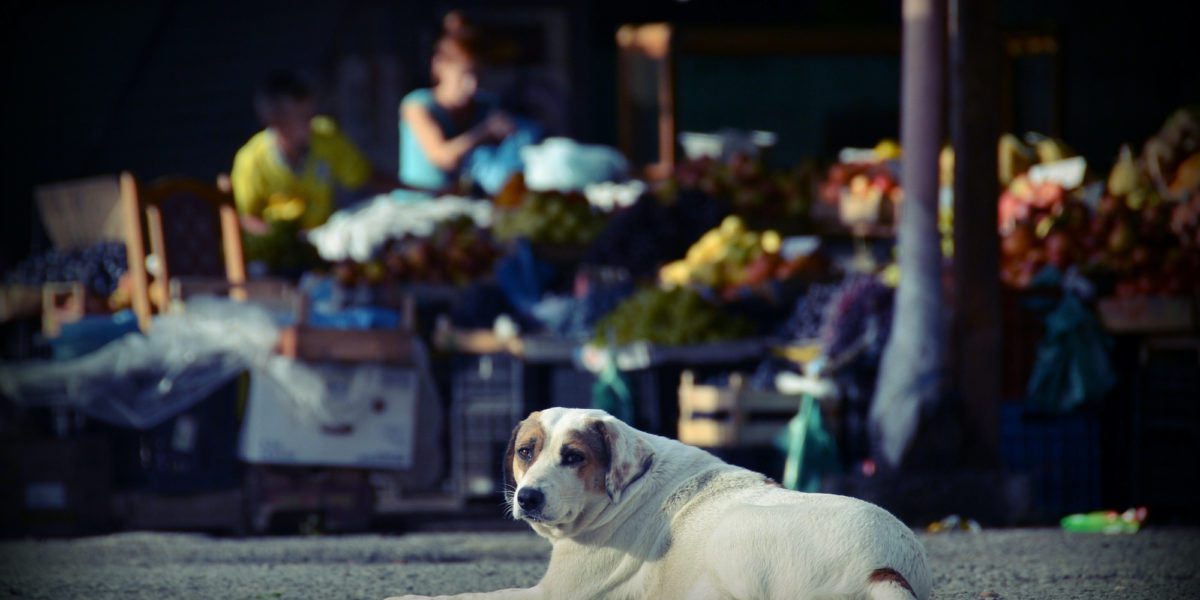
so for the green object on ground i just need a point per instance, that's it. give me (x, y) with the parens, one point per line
(1105, 521)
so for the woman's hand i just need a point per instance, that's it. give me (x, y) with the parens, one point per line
(498, 126)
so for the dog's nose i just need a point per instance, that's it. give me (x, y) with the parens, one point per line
(530, 499)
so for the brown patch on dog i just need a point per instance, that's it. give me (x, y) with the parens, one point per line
(527, 433)
(886, 574)
(597, 458)
(771, 482)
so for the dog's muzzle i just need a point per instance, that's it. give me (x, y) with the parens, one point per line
(531, 501)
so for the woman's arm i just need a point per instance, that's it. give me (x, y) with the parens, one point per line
(444, 153)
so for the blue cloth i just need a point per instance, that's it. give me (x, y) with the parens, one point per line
(416, 169)
(491, 166)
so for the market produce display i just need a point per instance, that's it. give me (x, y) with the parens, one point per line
(456, 253)
(359, 232)
(730, 256)
(860, 182)
(1126, 233)
(674, 317)
(99, 267)
(548, 217)
(757, 194)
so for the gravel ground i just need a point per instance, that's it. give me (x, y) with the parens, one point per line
(1022, 563)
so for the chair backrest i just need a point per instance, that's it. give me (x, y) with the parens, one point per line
(193, 231)
(81, 212)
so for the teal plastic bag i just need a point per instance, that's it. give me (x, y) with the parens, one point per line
(1072, 366)
(811, 451)
(611, 392)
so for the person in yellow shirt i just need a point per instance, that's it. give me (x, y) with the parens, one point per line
(289, 171)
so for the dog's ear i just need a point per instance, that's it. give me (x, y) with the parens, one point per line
(510, 481)
(627, 456)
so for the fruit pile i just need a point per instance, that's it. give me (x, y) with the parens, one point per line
(674, 317)
(548, 218)
(99, 267)
(758, 195)
(859, 183)
(456, 253)
(1138, 238)
(730, 257)
(1171, 157)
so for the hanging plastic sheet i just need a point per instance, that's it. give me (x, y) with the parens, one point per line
(140, 381)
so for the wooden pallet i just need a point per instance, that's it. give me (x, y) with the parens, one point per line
(724, 417)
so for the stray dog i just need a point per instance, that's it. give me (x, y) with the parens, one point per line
(638, 516)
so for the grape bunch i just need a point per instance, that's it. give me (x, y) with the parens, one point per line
(99, 267)
(676, 317)
(860, 314)
(808, 316)
(653, 231)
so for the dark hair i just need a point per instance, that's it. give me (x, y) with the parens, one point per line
(460, 41)
(283, 85)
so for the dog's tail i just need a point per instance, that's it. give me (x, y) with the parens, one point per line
(889, 584)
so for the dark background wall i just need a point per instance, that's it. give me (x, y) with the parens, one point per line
(164, 87)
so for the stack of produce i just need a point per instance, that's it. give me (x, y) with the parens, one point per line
(674, 317)
(547, 218)
(859, 183)
(1134, 241)
(456, 253)
(758, 195)
(731, 257)
(99, 267)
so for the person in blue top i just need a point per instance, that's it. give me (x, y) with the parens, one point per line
(440, 126)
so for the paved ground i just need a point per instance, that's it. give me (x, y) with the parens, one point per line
(1028, 563)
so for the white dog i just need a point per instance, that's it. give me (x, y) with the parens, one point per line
(638, 516)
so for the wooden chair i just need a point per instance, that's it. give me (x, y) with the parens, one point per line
(193, 232)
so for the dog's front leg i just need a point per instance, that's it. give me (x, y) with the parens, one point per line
(533, 593)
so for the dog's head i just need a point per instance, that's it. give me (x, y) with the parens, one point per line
(566, 466)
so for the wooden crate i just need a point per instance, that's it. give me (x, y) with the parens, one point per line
(1148, 314)
(716, 417)
(316, 344)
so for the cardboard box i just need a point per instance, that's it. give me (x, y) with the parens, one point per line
(380, 433)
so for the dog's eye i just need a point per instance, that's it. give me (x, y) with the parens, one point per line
(525, 453)
(572, 458)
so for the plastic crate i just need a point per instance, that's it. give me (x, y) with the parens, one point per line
(194, 451)
(486, 404)
(1061, 455)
